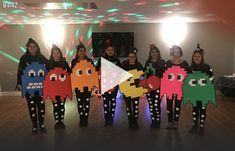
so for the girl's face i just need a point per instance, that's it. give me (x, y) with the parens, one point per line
(176, 53)
(197, 58)
(56, 55)
(109, 51)
(132, 58)
(154, 54)
(32, 48)
(82, 53)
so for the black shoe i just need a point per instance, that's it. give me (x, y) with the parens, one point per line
(130, 124)
(135, 124)
(57, 126)
(85, 122)
(106, 123)
(62, 125)
(170, 125)
(111, 122)
(193, 130)
(81, 124)
(42, 128)
(155, 124)
(201, 131)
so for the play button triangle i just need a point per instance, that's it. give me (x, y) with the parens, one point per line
(111, 75)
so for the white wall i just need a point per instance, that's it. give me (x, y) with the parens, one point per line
(214, 38)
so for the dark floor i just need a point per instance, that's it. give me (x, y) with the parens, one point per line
(15, 129)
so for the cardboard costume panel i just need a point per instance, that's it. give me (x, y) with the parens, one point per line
(84, 76)
(172, 82)
(198, 87)
(32, 79)
(129, 87)
(57, 83)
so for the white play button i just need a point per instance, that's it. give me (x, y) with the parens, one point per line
(111, 75)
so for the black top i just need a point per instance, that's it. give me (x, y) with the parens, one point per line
(62, 64)
(127, 66)
(28, 59)
(183, 64)
(159, 67)
(205, 69)
(76, 60)
(112, 59)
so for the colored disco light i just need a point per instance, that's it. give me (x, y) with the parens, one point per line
(100, 16)
(9, 56)
(169, 4)
(67, 5)
(16, 11)
(80, 8)
(112, 10)
(22, 49)
(140, 3)
(89, 33)
(77, 32)
(71, 53)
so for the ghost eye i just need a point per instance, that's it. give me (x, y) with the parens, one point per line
(62, 77)
(202, 82)
(192, 82)
(40, 73)
(32, 73)
(180, 77)
(171, 77)
(53, 77)
(79, 72)
(88, 71)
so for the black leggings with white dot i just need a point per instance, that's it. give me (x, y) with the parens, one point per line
(199, 112)
(154, 105)
(83, 104)
(109, 103)
(177, 108)
(132, 107)
(58, 110)
(36, 107)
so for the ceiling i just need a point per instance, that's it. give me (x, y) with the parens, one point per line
(115, 11)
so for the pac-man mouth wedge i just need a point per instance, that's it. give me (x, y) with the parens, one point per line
(84, 76)
(198, 87)
(172, 82)
(129, 88)
(57, 83)
(32, 79)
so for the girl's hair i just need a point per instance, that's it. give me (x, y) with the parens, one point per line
(173, 48)
(79, 46)
(201, 52)
(30, 40)
(154, 47)
(54, 47)
(134, 51)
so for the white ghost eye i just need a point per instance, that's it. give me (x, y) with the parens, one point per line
(202, 82)
(180, 77)
(88, 71)
(79, 72)
(192, 82)
(62, 77)
(171, 77)
(40, 73)
(32, 73)
(53, 77)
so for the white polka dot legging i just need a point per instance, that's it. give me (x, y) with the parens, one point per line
(177, 109)
(83, 104)
(36, 107)
(154, 105)
(109, 103)
(59, 110)
(132, 107)
(199, 112)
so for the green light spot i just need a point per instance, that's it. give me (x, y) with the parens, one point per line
(132, 14)
(16, 11)
(89, 32)
(95, 63)
(71, 53)
(77, 33)
(100, 16)
(167, 5)
(67, 5)
(9, 56)
(122, 0)
(23, 49)
(80, 8)
(3, 14)
(6, 21)
(77, 13)
(112, 10)
(91, 50)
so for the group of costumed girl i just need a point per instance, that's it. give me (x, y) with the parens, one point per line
(174, 81)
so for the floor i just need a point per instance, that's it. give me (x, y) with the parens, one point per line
(15, 128)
